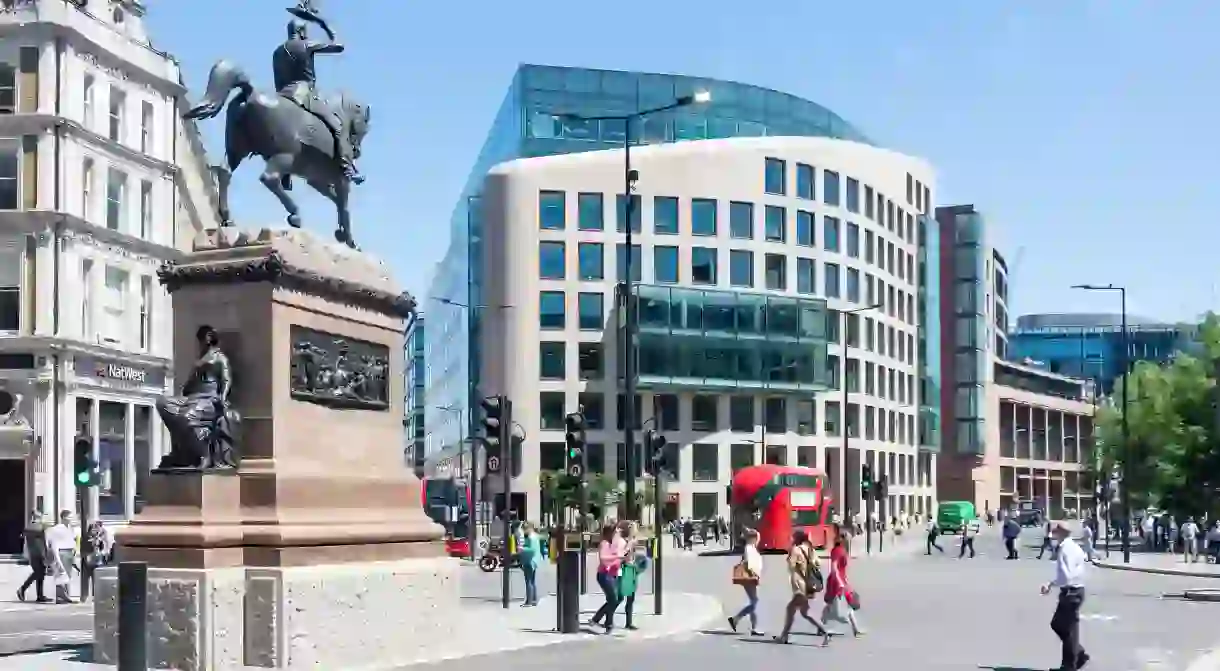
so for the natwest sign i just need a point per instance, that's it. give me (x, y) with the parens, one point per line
(117, 371)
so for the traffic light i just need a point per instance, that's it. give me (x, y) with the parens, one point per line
(494, 423)
(866, 480)
(882, 487)
(85, 467)
(575, 439)
(662, 455)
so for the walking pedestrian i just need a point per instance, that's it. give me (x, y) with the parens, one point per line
(1011, 531)
(35, 535)
(1086, 536)
(933, 535)
(748, 574)
(805, 578)
(1069, 579)
(61, 541)
(1047, 542)
(609, 564)
(531, 559)
(969, 532)
(1189, 534)
(841, 599)
(628, 577)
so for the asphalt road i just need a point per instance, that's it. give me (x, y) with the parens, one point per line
(922, 613)
(36, 628)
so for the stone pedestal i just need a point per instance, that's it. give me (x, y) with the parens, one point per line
(316, 552)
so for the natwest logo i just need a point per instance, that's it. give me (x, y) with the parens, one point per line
(116, 371)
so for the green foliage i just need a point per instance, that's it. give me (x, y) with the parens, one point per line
(1171, 457)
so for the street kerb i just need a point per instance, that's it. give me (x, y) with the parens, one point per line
(1156, 571)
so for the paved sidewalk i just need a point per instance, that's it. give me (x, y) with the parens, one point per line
(1157, 562)
(12, 575)
(489, 628)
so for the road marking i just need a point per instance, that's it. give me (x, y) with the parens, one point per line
(1099, 616)
(53, 634)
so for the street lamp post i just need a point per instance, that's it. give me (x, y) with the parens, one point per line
(628, 349)
(1125, 362)
(868, 536)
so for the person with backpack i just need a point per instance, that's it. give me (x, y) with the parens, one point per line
(805, 577)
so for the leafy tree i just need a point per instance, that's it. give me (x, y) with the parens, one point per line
(1171, 458)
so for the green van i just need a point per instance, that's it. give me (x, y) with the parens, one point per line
(952, 516)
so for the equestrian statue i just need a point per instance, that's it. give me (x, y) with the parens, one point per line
(296, 130)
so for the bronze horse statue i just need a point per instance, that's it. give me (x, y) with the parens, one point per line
(291, 140)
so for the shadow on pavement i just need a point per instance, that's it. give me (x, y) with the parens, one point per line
(82, 652)
(725, 552)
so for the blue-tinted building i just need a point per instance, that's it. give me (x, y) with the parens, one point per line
(529, 124)
(413, 409)
(1089, 346)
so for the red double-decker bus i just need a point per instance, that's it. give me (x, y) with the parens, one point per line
(777, 500)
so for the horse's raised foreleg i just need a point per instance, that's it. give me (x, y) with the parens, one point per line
(277, 168)
(343, 233)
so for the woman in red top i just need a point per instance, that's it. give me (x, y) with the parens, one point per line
(839, 593)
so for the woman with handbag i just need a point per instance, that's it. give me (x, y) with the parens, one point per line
(806, 579)
(629, 570)
(747, 573)
(841, 600)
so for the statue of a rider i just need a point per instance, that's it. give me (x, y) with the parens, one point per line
(296, 78)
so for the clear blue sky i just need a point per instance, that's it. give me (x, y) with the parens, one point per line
(1086, 130)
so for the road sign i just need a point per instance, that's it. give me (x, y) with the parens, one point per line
(493, 464)
(574, 470)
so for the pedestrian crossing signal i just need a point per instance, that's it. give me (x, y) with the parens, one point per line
(85, 468)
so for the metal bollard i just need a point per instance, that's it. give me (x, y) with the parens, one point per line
(133, 616)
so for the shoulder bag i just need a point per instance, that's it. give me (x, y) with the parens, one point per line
(814, 582)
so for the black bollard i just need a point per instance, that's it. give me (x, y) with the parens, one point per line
(133, 616)
(569, 584)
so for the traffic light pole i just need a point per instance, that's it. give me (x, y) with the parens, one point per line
(83, 495)
(868, 521)
(506, 474)
(881, 500)
(657, 521)
(582, 516)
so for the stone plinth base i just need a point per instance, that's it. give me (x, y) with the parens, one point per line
(355, 615)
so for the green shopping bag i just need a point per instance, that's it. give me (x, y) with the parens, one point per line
(627, 579)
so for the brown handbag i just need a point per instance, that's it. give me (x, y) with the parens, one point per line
(742, 574)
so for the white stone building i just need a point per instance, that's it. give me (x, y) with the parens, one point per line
(744, 245)
(100, 183)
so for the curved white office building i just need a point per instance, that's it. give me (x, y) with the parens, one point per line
(759, 259)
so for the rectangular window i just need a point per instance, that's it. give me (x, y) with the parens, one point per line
(775, 415)
(10, 174)
(86, 189)
(804, 228)
(146, 306)
(806, 276)
(703, 413)
(621, 263)
(775, 224)
(665, 215)
(705, 462)
(551, 414)
(831, 282)
(665, 409)
(552, 360)
(87, 94)
(114, 306)
(830, 187)
(868, 202)
(118, 105)
(146, 128)
(830, 234)
(636, 414)
(116, 191)
(853, 285)
(592, 367)
(591, 259)
(86, 301)
(552, 313)
(853, 195)
(910, 189)
(10, 289)
(146, 210)
(775, 177)
(806, 421)
(590, 212)
(551, 260)
(665, 265)
(853, 240)
(868, 246)
(741, 220)
(703, 265)
(703, 216)
(551, 210)
(776, 268)
(741, 455)
(804, 181)
(621, 212)
(741, 268)
(590, 311)
(741, 414)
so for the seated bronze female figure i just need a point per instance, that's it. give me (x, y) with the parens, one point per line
(202, 423)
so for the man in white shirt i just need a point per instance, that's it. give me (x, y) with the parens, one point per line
(933, 533)
(61, 541)
(1070, 567)
(969, 532)
(1189, 533)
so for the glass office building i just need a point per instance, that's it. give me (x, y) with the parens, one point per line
(529, 123)
(413, 413)
(1090, 346)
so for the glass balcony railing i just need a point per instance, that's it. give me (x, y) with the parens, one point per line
(707, 339)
